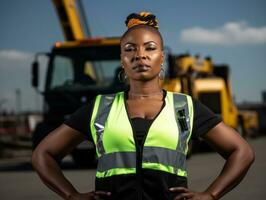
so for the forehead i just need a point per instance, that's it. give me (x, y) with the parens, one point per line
(141, 35)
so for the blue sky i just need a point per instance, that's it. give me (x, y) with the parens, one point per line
(230, 31)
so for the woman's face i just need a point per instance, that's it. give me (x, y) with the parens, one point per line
(141, 54)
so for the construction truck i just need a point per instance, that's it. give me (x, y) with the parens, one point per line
(78, 69)
(210, 84)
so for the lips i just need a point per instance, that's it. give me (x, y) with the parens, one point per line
(141, 67)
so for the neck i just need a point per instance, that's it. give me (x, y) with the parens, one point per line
(148, 89)
(146, 95)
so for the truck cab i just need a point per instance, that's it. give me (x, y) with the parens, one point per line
(77, 71)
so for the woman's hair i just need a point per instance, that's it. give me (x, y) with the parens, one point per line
(144, 20)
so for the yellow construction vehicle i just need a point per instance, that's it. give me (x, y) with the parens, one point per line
(211, 84)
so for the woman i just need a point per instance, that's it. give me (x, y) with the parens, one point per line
(142, 134)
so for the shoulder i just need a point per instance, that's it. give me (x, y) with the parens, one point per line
(106, 99)
(181, 97)
(179, 94)
(204, 119)
(109, 95)
(84, 110)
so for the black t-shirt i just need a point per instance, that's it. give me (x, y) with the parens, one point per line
(131, 186)
(204, 120)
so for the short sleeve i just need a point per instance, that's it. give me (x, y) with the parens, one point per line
(204, 119)
(80, 120)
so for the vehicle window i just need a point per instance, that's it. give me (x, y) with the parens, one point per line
(63, 73)
(79, 68)
(106, 70)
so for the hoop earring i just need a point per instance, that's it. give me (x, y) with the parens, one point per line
(161, 74)
(122, 77)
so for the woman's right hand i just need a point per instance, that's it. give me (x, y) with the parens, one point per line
(95, 195)
(53, 148)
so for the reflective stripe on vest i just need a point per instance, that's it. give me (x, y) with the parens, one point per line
(103, 111)
(166, 143)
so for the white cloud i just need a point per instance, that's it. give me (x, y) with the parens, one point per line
(15, 55)
(15, 73)
(231, 33)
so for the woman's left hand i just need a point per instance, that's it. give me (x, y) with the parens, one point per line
(187, 194)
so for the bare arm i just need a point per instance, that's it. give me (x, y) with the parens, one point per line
(239, 156)
(53, 148)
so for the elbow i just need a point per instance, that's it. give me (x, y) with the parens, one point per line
(248, 155)
(251, 155)
(35, 158)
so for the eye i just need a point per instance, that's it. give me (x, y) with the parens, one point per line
(150, 48)
(129, 49)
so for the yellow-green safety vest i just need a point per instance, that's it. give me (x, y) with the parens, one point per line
(166, 144)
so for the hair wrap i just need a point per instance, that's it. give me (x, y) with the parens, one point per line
(142, 18)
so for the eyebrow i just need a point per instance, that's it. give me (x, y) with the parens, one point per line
(150, 42)
(131, 43)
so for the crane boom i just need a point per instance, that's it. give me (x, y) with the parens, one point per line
(73, 24)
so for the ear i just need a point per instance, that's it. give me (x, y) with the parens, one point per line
(121, 61)
(163, 57)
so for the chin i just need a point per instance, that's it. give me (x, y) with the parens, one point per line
(145, 77)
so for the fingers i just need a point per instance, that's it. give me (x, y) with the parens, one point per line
(183, 193)
(102, 193)
(183, 196)
(179, 189)
(98, 194)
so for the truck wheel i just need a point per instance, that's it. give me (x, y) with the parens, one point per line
(84, 157)
(41, 130)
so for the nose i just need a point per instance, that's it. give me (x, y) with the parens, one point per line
(140, 54)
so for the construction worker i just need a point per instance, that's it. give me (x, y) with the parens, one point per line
(142, 134)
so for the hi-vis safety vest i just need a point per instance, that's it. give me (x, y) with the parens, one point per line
(166, 143)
